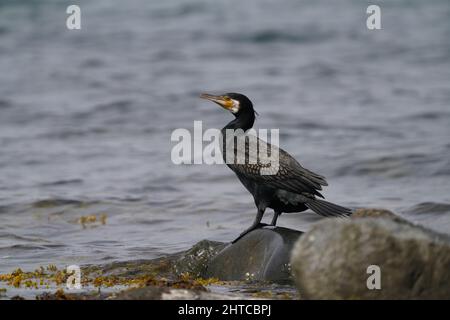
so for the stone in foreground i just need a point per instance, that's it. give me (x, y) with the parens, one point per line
(261, 255)
(158, 293)
(331, 260)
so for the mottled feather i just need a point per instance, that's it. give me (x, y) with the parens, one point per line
(291, 176)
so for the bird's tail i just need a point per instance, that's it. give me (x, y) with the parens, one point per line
(327, 209)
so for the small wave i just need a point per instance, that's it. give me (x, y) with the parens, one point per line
(22, 247)
(118, 105)
(152, 221)
(157, 187)
(61, 182)
(321, 70)
(296, 123)
(388, 166)
(272, 36)
(125, 199)
(92, 63)
(4, 104)
(52, 203)
(102, 243)
(178, 11)
(4, 30)
(429, 207)
(67, 133)
(430, 115)
(444, 170)
(11, 236)
(5, 208)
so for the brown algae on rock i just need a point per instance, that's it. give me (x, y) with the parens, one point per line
(179, 275)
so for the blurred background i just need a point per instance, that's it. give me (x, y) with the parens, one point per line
(86, 117)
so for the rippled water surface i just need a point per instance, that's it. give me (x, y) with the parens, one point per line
(86, 117)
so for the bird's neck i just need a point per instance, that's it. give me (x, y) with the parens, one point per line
(243, 121)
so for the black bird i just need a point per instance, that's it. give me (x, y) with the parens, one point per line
(291, 188)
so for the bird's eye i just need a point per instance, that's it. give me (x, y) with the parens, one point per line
(227, 98)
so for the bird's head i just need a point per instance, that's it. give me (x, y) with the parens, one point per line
(236, 103)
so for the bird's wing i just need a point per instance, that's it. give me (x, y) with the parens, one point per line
(290, 176)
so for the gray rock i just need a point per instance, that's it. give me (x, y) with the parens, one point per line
(377, 213)
(261, 255)
(195, 260)
(330, 261)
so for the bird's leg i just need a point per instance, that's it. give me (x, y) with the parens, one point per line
(255, 225)
(276, 214)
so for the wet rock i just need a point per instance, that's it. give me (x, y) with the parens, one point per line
(146, 293)
(261, 255)
(178, 276)
(158, 293)
(62, 295)
(331, 260)
(377, 213)
(195, 261)
(373, 213)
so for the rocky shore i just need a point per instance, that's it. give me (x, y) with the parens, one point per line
(374, 255)
(339, 259)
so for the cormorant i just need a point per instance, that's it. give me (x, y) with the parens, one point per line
(291, 189)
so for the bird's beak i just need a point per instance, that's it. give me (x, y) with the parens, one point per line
(223, 101)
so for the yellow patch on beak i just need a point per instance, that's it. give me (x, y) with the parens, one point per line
(223, 101)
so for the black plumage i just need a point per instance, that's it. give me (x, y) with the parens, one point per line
(291, 188)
